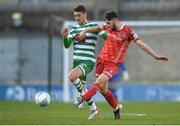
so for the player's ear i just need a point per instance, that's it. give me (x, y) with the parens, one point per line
(85, 14)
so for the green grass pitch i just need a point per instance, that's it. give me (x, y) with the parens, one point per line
(66, 114)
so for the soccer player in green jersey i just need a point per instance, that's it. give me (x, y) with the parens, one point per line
(83, 56)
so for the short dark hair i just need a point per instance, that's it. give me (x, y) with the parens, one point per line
(80, 8)
(109, 15)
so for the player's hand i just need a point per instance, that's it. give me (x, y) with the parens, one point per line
(83, 34)
(161, 57)
(79, 37)
(64, 32)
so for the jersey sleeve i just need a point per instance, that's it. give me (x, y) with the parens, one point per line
(102, 33)
(133, 36)
(68, 41)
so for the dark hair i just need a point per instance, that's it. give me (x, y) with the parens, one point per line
(80, 8)
(109, 15)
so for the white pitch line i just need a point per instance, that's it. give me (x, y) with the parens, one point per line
(134, 114)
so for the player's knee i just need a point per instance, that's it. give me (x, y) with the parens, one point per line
(101, 85)
(103, 91)
(100, 82)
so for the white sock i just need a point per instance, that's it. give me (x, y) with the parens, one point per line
(91, 104)
(77, 83)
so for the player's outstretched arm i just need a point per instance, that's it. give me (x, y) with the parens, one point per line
(67, 40)
(82, 35)
(94, 29)
(150, 51)
(64, 32)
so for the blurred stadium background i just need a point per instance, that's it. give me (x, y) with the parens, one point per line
(32, 53)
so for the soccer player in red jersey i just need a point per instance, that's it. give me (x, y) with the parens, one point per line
(117, 37)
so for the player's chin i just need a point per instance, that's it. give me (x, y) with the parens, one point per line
(78, 21)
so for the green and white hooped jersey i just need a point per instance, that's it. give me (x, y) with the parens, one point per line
(84, 50)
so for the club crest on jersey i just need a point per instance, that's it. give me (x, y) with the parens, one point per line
(122, 34)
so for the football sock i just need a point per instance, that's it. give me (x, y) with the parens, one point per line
(110, 99)
(114, 92)
(79, 86)
(91, 92)
(91, 104)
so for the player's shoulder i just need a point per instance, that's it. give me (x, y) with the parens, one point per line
(74, 26)
(90, 24)
(127, 28)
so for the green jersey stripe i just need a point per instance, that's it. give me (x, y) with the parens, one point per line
(84, 49)
(84, 58)
(91, 37)
(84, 52)
(84, 46)
(86, 43)
(85, 55)
(75, 32)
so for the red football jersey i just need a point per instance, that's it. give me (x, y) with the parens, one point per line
(114, 50)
